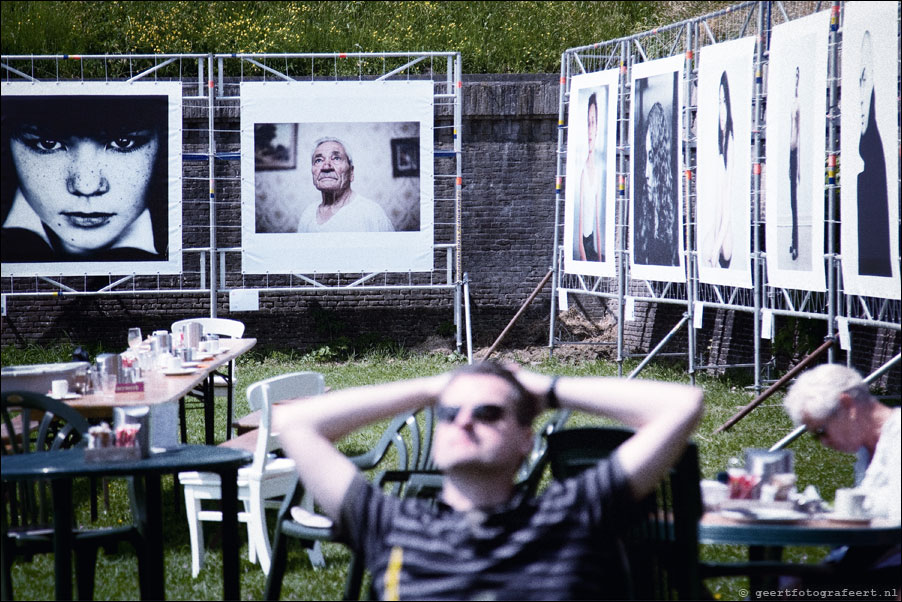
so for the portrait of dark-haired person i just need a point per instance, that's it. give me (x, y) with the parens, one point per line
(84, 178)
(590, 214)
(657, 219)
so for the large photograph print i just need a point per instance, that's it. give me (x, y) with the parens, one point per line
(590, 186)
(794, 187)
(340, 177)
(725, 78)
(656, 209)
(870, 156)
(90, 178)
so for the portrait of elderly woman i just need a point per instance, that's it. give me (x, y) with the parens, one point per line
(656, 214)
(84, 178)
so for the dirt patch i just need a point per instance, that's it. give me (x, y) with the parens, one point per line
(596, 337)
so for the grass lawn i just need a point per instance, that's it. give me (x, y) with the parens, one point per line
(117, 573)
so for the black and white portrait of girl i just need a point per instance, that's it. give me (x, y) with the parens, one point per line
(85, 178)
(656, 224)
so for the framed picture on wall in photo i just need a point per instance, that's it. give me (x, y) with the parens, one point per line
(275, 146)
(405, 154)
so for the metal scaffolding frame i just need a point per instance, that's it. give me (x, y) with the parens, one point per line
(210, 93)
(688, 37)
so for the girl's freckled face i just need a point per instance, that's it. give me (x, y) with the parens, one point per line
(88, 190)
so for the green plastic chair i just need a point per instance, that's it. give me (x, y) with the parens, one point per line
(411, 436)
(35, 423)
(660, 553)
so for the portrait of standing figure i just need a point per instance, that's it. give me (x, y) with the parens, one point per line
(873, 232)
(795, 115)
(86, 182)
(869, 198)
(656, 217)
(589, 226)
(795, 145)
(589, 186)
(725, 85)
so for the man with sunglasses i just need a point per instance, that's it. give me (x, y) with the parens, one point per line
(837, 408)
(485, 540)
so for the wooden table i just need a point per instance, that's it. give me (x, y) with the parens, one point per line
(161, 389)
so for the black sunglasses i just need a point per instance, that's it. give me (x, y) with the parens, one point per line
(485, 413)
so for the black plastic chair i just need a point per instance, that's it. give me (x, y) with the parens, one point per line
(411, 437)
(660, 552)
(35, 423)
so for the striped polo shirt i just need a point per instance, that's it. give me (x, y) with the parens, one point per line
(557, 546)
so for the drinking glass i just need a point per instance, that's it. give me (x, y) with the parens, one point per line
(108, 380)
(134, 339)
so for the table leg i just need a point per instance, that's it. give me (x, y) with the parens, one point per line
(6, 554)
(231, 577)
(209, 415)
(62, 537)
(156, 566)
(229, 398)
(772, 554)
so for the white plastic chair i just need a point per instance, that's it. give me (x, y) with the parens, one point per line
(223, 383)
(262, 483)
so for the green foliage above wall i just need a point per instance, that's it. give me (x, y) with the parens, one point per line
(493, 37)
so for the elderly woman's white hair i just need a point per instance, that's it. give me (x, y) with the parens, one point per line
(815, 394)
(332, 139)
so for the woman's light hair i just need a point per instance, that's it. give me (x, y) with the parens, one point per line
(815, 394)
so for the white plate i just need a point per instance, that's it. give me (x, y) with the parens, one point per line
(66, 396)
(179, 372)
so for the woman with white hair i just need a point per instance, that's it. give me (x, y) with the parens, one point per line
(836, 406)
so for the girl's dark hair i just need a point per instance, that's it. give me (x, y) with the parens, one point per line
(725, 133)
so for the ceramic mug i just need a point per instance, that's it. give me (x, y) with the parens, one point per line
(850, 502)
(59, 388)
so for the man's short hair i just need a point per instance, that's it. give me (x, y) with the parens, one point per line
(815, 394)
(332, 139)
(526, 406)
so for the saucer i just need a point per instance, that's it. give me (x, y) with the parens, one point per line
(848, 519)
(69, 395)
(179, 372)
(765, 515)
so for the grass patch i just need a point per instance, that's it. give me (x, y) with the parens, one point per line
(117, 573)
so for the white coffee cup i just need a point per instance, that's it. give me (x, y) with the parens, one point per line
(850, 502)
(174, 363)
(59, 388)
